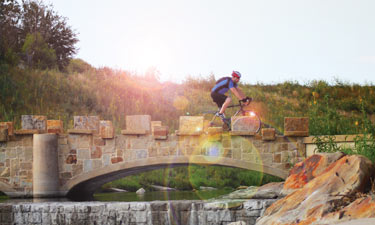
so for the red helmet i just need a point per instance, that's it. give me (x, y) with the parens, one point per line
(236, 74)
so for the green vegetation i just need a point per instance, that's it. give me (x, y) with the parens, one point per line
(193, 177)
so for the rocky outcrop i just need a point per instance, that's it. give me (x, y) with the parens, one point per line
(327, 193)
(305, 171)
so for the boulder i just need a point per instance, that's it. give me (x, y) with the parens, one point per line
(267, 191)
(305, 171)
(323, 195)
(140, 191)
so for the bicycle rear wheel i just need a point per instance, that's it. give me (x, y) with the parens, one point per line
(251, 123)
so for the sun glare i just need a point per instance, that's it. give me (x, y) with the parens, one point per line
(150, 53)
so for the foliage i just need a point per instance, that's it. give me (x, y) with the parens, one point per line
(193, 177)
(364, 142)
(34, 35)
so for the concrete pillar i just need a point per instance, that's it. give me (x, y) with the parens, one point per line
(45, 166)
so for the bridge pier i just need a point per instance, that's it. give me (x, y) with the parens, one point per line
(45, 166)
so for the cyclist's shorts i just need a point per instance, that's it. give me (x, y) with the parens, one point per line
(219, 99)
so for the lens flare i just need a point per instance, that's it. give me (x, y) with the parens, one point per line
(233, 151)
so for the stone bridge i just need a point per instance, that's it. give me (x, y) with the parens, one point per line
(40, 160)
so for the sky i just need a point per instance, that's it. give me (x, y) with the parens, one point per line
(268, 41)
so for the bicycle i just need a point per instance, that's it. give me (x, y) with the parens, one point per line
(254, 122)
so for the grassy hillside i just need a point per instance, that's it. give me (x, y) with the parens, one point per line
(112, 94)
(339, 108)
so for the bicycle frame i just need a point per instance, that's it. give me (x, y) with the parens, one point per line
(227, 121)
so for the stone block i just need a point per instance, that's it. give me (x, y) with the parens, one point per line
(9, 126)
(160, 132)
(268, 134)
(296, 126)
(80, 131)
(191, 125)
(116, 160)
(25, 132)
(106, 129)
(155, 124)
(214, 130)
(34, 122)
(133, 132)
(55, 126)
(245, 124)
(87, 123)
(3, 134)
(139, 122)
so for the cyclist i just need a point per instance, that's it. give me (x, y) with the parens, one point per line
(222, 86)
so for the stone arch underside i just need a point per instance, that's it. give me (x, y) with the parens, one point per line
(83, 186)
(8, 190)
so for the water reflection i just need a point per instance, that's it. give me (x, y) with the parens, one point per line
(132, 196)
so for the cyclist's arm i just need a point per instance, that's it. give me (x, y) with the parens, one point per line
(238, 93)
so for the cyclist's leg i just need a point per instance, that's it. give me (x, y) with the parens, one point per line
(226, 103)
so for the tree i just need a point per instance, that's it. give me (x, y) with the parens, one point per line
(35, 26)
(10, 14)
(37, 52)
(39, 18)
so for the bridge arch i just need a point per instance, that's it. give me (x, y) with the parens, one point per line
(84, 185)
(8, 190)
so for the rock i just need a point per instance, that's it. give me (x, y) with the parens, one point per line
(363, 207)
(161, 188)
(242, 187)
(207, 188)
(305, 171)
(116, 190)
(268, 191)
(141, 191)
(238, 223)
(367, 221)
(323, 195)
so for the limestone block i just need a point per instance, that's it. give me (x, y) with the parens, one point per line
(3, 134)
(160, 132)
(87, 123)
(138, 122)
(133, 132)
(214, 130)
(9, 126)
(34, 122)
(268, 134)
(25, 132)
(296, 126)
(155, 124)
(55, 126)
(191, 125)
(245, 124)
(106, 129)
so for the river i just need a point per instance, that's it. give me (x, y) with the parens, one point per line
(132, 196)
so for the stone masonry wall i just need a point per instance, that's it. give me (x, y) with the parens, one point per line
(16, 159)
(140, 213)
(92, 145)
(80, 153)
